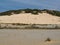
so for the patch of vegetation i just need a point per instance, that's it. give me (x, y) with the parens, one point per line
(19, 24)
(28, 10)
(48, 39)
(32, 11)
(53, 12)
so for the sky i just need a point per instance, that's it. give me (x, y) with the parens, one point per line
(22, 4)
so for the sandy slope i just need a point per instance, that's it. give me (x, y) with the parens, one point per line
(42, 18)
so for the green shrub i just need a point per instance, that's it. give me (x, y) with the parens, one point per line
(27, 10)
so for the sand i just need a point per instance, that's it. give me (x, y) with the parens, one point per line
(27, 18)
(29, 37)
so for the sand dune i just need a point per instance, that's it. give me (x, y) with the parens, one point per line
(42, 18)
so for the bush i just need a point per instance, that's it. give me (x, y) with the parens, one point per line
(27, 10)
(48, 39)
(34, 12)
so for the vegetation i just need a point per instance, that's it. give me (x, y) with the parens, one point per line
(53, 12)
(27, 10)
(19, 24)
(32, 11)
(48, 39)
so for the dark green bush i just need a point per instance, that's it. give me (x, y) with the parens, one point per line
(28, 10)
(34, 12)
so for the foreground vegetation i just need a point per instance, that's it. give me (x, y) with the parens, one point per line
(32, 11)
(28, 26)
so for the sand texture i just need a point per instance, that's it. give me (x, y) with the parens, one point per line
(27, 18)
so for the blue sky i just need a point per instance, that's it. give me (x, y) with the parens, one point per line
(38, 4)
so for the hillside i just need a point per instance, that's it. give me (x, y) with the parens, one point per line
(28, 18)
